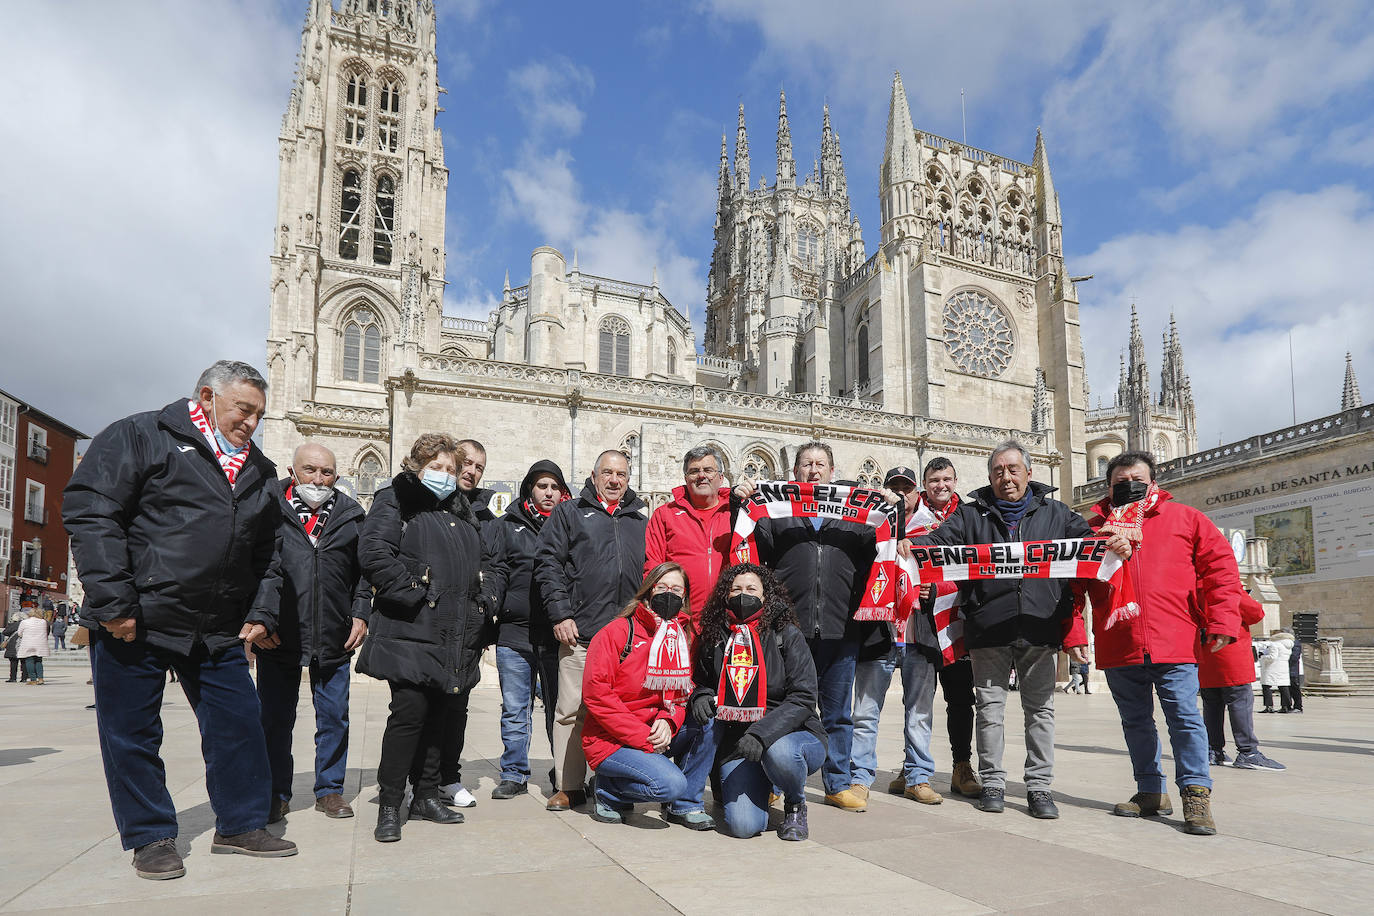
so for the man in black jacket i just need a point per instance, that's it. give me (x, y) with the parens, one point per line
(1017, 622)
(173, 521)
(825, 565)
(589, 564)
(325, 604)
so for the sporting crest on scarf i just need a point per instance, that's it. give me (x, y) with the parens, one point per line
(669, 668)
(860, 505)
(742, 695)
(948, 624)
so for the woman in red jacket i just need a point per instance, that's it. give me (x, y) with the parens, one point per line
(1227, 677)
(637, 678)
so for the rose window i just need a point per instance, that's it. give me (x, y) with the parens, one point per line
(977, 334)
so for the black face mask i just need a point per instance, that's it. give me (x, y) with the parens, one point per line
(742, 606)
(665, 604)
(1129, 491)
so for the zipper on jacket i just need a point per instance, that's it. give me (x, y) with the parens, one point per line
(816, 593)
(315, 606)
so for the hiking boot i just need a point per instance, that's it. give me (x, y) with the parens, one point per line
(1254, 760)
(158, 861)
(509, 788)
(962, 781)
(279, 810)
(692, 820)
(333, 805)
(388, 824)
(849, 800)
(1145, 804)
(257, 843)
(793, 827)
(1041, 805)
(1197, 811)
(991, 800)
(897, 786)
(431, 809)
(923, 793)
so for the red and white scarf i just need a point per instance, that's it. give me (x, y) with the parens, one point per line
(859, 505)
(1069, 558)
(231, 464)
(312, 520)
(670, 659)
(949, 625)
(742, 695)
(1129, 522)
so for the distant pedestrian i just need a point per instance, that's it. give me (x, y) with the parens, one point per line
(1227, 677)
(33, 645)
(1274, 667)
(12, 647)
(1293, 701)
(59, 633)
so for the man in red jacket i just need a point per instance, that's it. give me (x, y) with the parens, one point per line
(1226, 678)
(1146, 622)
(693, 531)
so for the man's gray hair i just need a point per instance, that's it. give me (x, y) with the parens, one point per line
(1011, 445)
(701, 451)
(226, 372)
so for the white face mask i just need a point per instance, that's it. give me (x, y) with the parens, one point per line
(313, 495)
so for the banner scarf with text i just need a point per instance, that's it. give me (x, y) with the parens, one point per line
(860, 505)
(1071, 558)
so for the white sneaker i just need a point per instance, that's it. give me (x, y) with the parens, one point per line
(454, 794)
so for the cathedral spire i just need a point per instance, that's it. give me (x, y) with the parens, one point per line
(1046, 200)
(832, 161)
(1350, 391)
(1121, 381)
(741, 153)
(1040, 404)
(901, 168)
(1138, 391)
(787, 168)
(723, 180)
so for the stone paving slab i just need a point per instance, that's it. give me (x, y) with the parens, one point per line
(1299, 841)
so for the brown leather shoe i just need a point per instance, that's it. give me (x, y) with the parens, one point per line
(158, 861)
(897, 786)
(558, 801)
(333, 806)
(848, 800)
(924, 794)
(962, 781)
(258, 843)
(279, 810)
(1197, 811)
(1145, 804)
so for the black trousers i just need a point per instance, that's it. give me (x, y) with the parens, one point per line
(956, 681)
(1237, 702)
(410, 744)
(455, 732)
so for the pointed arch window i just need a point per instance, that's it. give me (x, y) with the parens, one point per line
(388, 120)
(808, 245)
(369, 474)
(350, 215)
(614, 349)
(355, 110)
(383, 219)
(757, 467)
(861, 357)
(869, 474)
(362, 350)
(672, 357)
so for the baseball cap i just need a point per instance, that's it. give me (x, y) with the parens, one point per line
(899, 473)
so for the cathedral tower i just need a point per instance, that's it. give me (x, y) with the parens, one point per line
(1350, 391)
(357, 265)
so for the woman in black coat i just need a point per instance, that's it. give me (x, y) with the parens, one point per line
(755, 675)
(420, 550)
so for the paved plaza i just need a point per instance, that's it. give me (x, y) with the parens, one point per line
(1300, 841)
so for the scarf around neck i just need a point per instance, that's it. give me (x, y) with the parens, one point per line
(1013, 511)
(949, 625)
(742, 695)
(312, 520)
(858, 505)
(670, 665)
(1129, 522)
(230, 464)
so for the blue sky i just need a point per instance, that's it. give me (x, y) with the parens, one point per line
(1214, 160)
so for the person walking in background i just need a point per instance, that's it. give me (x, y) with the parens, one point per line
(1274, 655)
(325, 605)
(59, 632)
(1292, 700)
(33, 645)
(421, 552)
(12, 648)
(173, 520)
(1227, 677)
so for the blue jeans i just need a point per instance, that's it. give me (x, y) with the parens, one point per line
(129, 682)
(279, 689)
(835, 662)
(1133, 688)
(694, 751)
(518, 671)
(745, 786)
(631, 775)
(33, 667)
(871, 680)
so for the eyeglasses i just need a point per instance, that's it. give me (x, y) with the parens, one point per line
(675, 589)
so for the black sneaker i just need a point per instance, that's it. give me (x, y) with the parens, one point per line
(793, 827)
(991, 800)
(509, 788)
(158, 861)
(1218, 758)
(1042, 805)
(1254, 760)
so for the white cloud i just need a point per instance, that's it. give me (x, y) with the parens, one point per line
(549, 95)
(1352, 144)
(1297, 261)
(139, 209)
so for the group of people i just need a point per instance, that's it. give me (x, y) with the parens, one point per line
(26, 643)
(665, 658)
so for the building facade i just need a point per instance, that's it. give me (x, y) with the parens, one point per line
(960, 330)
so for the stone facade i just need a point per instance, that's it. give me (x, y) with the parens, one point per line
(960, 331)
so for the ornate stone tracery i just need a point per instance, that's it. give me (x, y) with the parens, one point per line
(978, 336)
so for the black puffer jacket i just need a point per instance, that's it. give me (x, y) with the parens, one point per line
(323, 588)
(423, 558)
(997, 612)
(825, 571)
(589, 564)
(792, 692)
(160, 536)
(509, 585)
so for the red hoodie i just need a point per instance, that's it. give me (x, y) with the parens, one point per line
(620, 709)
(696, 539)
(1234, 665)
(1186, 579)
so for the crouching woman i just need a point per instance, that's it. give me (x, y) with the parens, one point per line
(755, 675)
